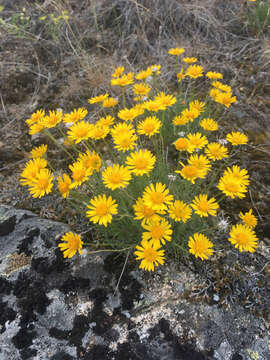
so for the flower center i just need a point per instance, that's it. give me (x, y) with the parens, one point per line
(140, 163)
(242, 238)
(157, 232)
(42, 183)
(116, 178)
(150, 255)
(150, 127)
(81, 132)
(102, 209)
(78, 175)
(147, 211)
(232, 187)
(157, 198)
(203, 206)
(191, 171)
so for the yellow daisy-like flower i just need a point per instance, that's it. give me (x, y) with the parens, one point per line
(198, 105)
(141, 89)
(127, 114)
(157, 197)
(125, 141)
(153, 105)
(165, 100)
(158, 231)
(234, 182)
(190, 60)
(139, 108)
(150, 255)
(156, 69)
(218, 85)
(176, 51)
(248, 218)
(36, 117)
(189, 172)
(124, 80)
(38, 151)
(180, 211)
(201, 163)
(75, 115)
(31, 169)
(80, 173)
(145, 213)
(243, 238)
(180, 76)
(144, 74)
(209, 124)
(105, 121)
(216, 151)
(36, 128)
(99, 131)
(149, 126)
(91, 160)
(194, 71)
(214, 75)
(214, 93)
(181, 144)
(64, 185)
(180, 120)
(118, 71)
(197, 140)
(53, 119)
(225, 99)
(101, 210)
(200, 246)
(141, 162)
(190, 114)
(42, 184)
(110, 102)
(204, 206)
(72, 243)
(97, 99)
(237, 138)
(116, 176)
(80, 131)
(121, 128)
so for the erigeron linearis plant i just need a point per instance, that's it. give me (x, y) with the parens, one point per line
(154, 189)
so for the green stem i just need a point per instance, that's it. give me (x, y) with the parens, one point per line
(57, 143)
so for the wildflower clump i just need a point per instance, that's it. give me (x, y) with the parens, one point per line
(148, 169)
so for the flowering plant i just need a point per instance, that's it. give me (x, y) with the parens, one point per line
(154, 171)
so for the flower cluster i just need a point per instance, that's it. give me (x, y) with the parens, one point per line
(150, 181)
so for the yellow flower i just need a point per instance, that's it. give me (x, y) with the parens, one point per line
(158, 231)
(101, 210)
(200, 246)
(214, 93)
(234, 182)
(125, 141)
(149, 126)
(204, 207)
(179, 211)
(225, 99)
(198, 105)
(99, 131)
(197, 140)
(36, 117)
(124, 80)
(118, 71)
(127, 114)
(190, 60)
(116, 176)
(80, 173)
(176, 51)
(90, 161)
(80, 131)
(201, 163)
(105, 121)
(182, 144)
(144, 74)
(141, 162)
(194, 71)
(32, 168)
(156, 69)
(110, 102)
(248, 218)
(144, 213)
(36, 128)
(97, 99)
(216, 151)
(75, 115)
(72, 243)
(51, 120)
(121, 128)
(243, 238)
(190, 114)
(218, 85)
(165, 100)
(64, 185)
(38, 151)
(237, 138)
(141, 89)
(209, 124)
(180, 120)
(180, 76)
(153, 105)
(42, 184)
(214, 75)
(150, 255)
(189, 172)
(157, 197)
